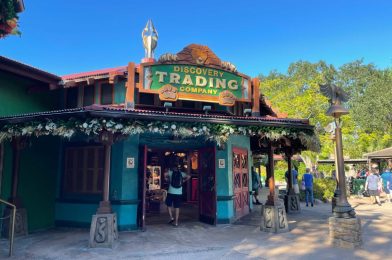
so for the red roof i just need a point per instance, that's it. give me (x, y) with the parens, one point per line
(94, 73)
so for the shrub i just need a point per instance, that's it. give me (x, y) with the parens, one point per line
(323, 189)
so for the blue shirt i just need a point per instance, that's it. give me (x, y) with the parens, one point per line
(295, 176)
(308, 179)
(386, 176)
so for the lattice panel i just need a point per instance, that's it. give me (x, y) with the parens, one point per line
(245, 180)
(237, 180)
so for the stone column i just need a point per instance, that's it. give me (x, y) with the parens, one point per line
(103, 230)
(18, 144)
(291, 199)
(274, 214)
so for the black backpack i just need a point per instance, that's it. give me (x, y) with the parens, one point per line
(176, 179)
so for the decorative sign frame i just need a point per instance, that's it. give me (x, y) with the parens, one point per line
(194, 82)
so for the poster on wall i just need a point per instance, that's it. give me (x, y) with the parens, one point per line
(154, 177)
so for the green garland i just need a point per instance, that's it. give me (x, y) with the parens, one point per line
(219, 133)
(8, 10)
(8, 18)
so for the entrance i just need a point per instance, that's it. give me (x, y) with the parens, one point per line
(240, 182)
(198, 193)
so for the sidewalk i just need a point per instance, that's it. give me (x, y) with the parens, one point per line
(307, 239)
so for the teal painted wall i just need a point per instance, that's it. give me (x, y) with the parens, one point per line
(37, 180)
(123, 191)
(224, 177)
(14, 98)
(119, 92)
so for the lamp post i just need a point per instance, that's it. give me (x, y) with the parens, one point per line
(342, 209)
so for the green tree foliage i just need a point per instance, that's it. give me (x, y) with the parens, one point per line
(368, 126)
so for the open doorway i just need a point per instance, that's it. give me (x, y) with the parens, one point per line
(198, 193)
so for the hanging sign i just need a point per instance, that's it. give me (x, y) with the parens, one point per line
(199, 83)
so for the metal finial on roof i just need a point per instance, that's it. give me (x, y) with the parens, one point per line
(150, 39)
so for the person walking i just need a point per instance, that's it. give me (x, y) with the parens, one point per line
(256, 185)
(386, 176)
(307, 179)
(373, 182)
(174, 194)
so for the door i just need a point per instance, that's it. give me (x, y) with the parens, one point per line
(207, 187)
(240, 182)
(142, 187)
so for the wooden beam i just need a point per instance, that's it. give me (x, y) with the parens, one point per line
(256, 97)
(69, 84)
(130, 87)
(90, 81)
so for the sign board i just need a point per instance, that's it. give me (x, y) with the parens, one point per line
(221, 163)
(191, 82)
(131, 162)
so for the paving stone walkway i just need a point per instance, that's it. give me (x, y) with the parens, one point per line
(308, 239)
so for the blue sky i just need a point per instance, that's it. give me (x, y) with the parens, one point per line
(71, 36)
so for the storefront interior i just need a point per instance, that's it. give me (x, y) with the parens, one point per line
(157, 183)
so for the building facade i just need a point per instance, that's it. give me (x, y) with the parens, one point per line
(104, 139)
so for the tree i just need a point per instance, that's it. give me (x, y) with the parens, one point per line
(368, 126)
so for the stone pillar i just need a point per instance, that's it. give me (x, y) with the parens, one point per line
(18, 144)
(103, 230)
(345, 232)
(274, 214)
(291, 199)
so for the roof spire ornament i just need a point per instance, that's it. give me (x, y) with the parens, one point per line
(150, 40)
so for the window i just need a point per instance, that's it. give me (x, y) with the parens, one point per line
(88, 95)
(84, 169)
(71, 97)
(106, 94)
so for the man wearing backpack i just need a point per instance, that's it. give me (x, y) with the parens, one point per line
(174, 194)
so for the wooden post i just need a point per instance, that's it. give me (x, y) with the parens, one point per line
(256, 97)
(290, 189)
(105, 206)
(130, 87)
(17, 145)
(271, 181)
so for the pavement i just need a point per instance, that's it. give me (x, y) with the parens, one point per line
(308, 238)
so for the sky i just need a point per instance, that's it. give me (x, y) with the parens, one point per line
(70, 36)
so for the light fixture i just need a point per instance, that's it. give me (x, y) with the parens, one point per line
(167, 105)
(206, 109)
(248, 112)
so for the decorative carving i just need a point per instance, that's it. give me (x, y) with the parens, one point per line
(274, 219)
(228, 66)
(281, 218)
(294, 203)
(168, 93)
(198, 55)
(268, 217)
(226, 98)
(101, 230)
(150, 39)
(168, 58)
(335, 94)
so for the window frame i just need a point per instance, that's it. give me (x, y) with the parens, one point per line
(84, 97)
(100, 92)
(94, 192)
